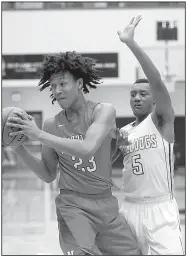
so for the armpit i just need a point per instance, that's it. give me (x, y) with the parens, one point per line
(160, 119)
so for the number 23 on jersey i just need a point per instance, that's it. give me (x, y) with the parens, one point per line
(80, 165)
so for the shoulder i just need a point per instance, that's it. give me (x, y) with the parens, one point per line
(127, 127)
(104, 108)
(104, 113)
(49, 124)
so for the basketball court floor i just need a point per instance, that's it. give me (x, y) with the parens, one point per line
(32, 241)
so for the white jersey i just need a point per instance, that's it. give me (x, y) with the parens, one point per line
(148, 165)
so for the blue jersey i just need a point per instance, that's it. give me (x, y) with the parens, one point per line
(91, 176)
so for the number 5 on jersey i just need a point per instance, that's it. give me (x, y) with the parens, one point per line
(137, 165)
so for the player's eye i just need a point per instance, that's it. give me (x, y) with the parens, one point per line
(52, 87)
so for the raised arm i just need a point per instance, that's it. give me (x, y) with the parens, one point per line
(103, 122)
(160, 93)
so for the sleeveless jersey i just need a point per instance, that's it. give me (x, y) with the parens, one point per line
(91, 176)
(149, 163)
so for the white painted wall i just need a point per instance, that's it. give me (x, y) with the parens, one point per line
(27, 32)
(33, 100)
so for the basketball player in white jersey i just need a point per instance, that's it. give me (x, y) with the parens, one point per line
(149, 206)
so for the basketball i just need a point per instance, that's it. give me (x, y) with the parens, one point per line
(6, 139)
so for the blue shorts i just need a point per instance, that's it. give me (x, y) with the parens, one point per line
(91, 224)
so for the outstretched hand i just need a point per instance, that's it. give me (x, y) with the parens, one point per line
(127, 34)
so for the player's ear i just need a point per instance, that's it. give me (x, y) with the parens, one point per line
(153, 101)
(80, 83)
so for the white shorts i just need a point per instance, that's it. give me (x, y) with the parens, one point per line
(156, 224)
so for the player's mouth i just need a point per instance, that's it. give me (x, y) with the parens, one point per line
(61, 98)
(137, 106)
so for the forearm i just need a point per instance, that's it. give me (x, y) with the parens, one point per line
(116, 151)
(147, 65)
(78, 148)
(35, 164)
(115, 155)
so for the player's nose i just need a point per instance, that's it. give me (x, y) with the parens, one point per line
(137, 98)
(58, 89)
(58, 93)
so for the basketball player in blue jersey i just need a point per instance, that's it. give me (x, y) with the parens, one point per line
(149, 205)
(78, 139)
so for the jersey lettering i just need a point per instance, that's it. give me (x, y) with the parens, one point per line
(141, 143)
(153, 140)
(141, 147)
(147, 142)
(136, 145)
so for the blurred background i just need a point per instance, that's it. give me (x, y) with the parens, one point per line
(33, 29)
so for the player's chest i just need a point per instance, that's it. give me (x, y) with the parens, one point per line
(143, 140)
(72, 131)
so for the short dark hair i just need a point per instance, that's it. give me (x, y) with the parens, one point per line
(76, 64)
(143, 80)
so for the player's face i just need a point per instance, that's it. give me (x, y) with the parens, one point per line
(141, 100)
(65, 89)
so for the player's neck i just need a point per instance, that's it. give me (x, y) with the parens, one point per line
(77, 110)
(140, 119)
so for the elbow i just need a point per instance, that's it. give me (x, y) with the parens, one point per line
(49, 173)
(49, 179)
(90, 154)
(87, 154)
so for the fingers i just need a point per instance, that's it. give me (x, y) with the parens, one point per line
(131, 21)
(12, 134)
(124, 138)
(137, 20)
(15, 125)
(30, 117)
(18, 120)
(123, 134)
(119, 32)
(22, 115)
(123, 149)
(129, 142)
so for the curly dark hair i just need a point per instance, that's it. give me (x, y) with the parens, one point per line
(76, 64)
